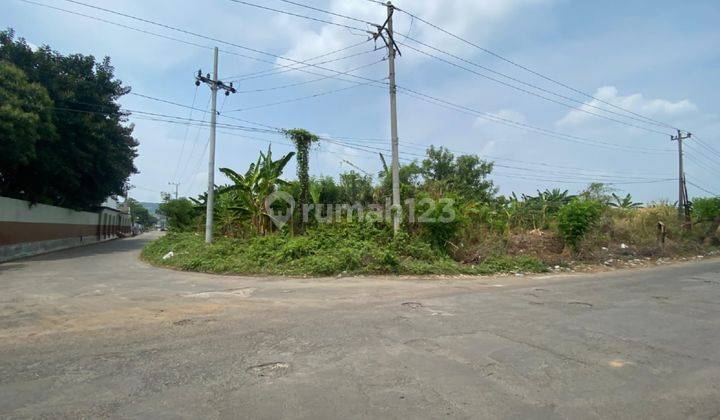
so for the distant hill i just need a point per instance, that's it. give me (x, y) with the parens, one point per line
(151, 207)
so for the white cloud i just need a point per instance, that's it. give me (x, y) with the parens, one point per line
(476, 20)
(503, 114)
(653, 108)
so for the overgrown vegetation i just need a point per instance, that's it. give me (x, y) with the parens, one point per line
(349, 248)
(459, 225)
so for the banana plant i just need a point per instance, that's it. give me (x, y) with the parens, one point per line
(248, 191)
(624, 202)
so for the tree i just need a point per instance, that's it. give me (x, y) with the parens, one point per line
(466, 176)
(180, 214)
(599, 192)
(91, 155)
(439, 165)
(25, 123)
(355, 188)
(140, 214)
(470, 179)
(303, 139)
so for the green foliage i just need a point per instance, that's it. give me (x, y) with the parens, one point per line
(246, 196)
(325, 250)
(706, 209)
(576, 218)
(536, 212)
(140, 214)
(355, 188)
(181, 214)
(465, 176)
(599, 192)
(69, 154)
(25, 121)
(303, 139)
(624, 202)
(439, 219)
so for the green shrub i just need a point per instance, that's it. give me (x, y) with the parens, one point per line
(706, 209)
(576, 218)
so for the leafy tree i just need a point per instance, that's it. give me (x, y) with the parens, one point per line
(465, 175)
(140, 214)
(439, 165)
(355, 188)
(180, 214)
(470, 179)
(91, 155)
(410, 181)
(599, 192)
(25, 123)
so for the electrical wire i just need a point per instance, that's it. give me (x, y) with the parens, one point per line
(529, 70)
(185, 136)
(310, 81)
(576, 108)
(292, 67)
(327, 12)
(703, 189)
(195, 34)
(285, 12)
(302, 98)
(529, 127)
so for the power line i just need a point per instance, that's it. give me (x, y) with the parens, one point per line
(195, 142)
(530, 127)
(580, 109)
(310, 81)
(707, 147)
(505, 166)
(567, 180)
(299, 15)
(187, 131)
(536, 73)
(703, 189)
(291, 67)
(198, 35)
(301, 98)
(384, 141)
(327, 12)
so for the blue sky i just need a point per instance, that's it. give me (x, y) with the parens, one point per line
(659, 59)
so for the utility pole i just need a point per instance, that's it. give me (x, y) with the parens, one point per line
(393, 50)
(683, 202)
(215, 85)
(176, 185)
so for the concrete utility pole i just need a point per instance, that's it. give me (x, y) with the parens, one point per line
(683, 202)
(176, 185)
(387, 28)
(215, 85)
(397, 207)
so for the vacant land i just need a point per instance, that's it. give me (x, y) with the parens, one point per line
(96, 332)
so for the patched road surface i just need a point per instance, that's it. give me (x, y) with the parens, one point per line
(95, 333)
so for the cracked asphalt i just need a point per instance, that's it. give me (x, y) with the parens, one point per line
(94, 332)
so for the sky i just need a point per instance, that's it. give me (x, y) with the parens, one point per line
(656, 59)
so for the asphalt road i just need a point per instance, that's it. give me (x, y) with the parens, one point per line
(94, 332)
